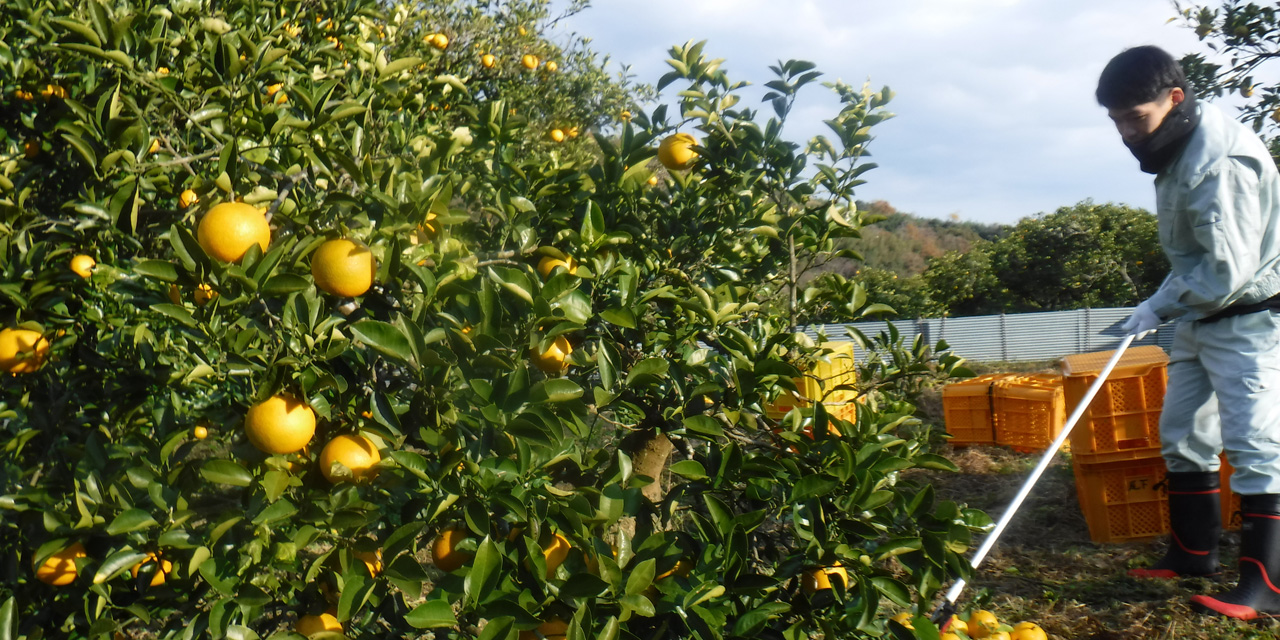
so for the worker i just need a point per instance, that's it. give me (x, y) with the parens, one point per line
(1218, 212)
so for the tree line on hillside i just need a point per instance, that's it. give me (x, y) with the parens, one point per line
(1086, 255)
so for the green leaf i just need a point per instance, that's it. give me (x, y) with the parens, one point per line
(937, 462)
(8, 621)
(691, 469)
(284, 283)
(131, 520)
(433, 614)
(117, 562)
(278, 510)
(396, 66)
(555, 390)
(893, 590)
(812, 486)
(620, 317)
(704, 426)
(384, 337)
(226, 472)
(158, 269)
(655, 367)
(514, 281)
(478, 585)
(641, 577)
(176, 312)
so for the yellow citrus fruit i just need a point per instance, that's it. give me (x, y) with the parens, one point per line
(25, 96)
(83, 265)
(949, 636)
(982, 624)
(311, 625)
(343, 268)
(676, 152)
(820, 579)
(445, 553)
(158, 577)
(175, 294)
(547, 264)
(229, 229)
(31, 148)
(200, 433)
(557, 135)
(999, 635)
(59, 569)
(164, 71)
(22, 350)
(354, 452)
(553, 629)
(427, 231)
(626, 115)
(1028, 631)
(555, 553)
(551, 66)
(280, 424)
(155, 146)
(572, 132)
(441, 41)
(488, 60)
(958, 625)
(188, 198)
(273, 88)
(372, 560)
(904, 618)
(553, 360)
(203, 294)
(653, 181)
(682, 568)
(529, 61)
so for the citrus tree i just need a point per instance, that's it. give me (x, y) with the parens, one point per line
(312, 326)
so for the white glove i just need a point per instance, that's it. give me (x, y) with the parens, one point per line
(1142, 323)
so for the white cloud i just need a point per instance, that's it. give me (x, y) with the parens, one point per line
(996, 117)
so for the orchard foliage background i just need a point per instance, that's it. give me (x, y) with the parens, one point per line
(688, 509)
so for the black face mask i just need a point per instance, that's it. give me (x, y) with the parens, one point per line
(1157, 150)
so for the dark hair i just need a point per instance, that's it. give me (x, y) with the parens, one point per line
(1139, 75)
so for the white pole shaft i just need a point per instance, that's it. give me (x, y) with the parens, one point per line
(954, 592)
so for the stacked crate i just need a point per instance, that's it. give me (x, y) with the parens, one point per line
(1024, 412)
(1116, 444)
(837, 368)
(969, 410)
(1029, 411)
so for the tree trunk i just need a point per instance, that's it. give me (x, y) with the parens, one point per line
(649, 451)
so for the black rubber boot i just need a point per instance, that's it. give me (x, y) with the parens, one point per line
(1256, 595)
(1195, 523)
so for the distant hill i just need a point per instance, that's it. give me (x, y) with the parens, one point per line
(903, 243)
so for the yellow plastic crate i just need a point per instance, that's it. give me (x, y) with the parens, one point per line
(1123, 421)
(837, 368)
(1123, 500)
(1029, 411)
(968, 409)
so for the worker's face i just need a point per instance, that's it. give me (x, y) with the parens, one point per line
(1136, 123)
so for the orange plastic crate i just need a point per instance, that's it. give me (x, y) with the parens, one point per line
(1123, 421)
(1124, 500)
(967, 408)
(1029, 411)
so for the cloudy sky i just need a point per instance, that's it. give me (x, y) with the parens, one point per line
(995, 112)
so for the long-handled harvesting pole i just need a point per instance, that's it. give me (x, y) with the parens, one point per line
(942, 617)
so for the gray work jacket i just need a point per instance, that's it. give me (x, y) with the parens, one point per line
(1218, 210)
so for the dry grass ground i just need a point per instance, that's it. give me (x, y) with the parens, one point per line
(1046, 569)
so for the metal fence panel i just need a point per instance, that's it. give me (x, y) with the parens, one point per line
(1011, 337)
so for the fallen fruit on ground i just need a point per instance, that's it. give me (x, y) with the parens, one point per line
(904, 618)
(230, 228)
(311, 625)
(444, 550)
(83, 265)
(343, 268)
(1028, 631)
(676, 152)
(355, 452)
(22, 350)
(982, 624)
(280, 424)
(59, 569)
